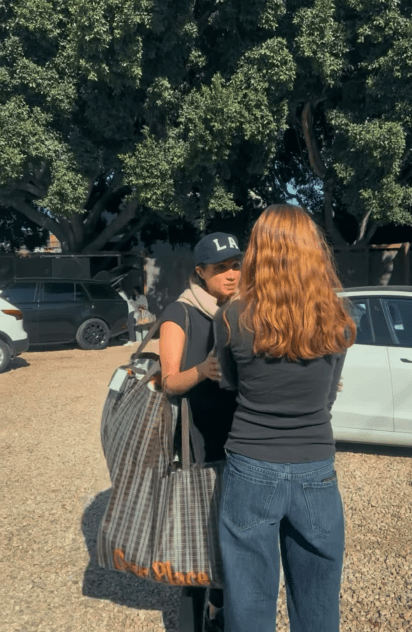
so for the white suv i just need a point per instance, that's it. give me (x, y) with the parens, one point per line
(13, 338)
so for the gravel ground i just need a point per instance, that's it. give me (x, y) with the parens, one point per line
(55, 488)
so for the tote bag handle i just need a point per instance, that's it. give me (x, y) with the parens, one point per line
(188, 434)
(188, 437)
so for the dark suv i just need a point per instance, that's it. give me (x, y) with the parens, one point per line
(64, 310)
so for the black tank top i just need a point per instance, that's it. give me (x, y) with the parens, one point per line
(212, 408)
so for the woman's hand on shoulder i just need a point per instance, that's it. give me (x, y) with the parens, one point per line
(175, 381)
(210, 368)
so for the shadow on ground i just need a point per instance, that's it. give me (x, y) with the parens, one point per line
(118, 341)
(123, 588)
(373, 448)
(17, 363)
(53, 347)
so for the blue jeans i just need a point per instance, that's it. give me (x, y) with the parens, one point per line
(287, 509)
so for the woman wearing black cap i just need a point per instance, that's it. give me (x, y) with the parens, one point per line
(213, 282)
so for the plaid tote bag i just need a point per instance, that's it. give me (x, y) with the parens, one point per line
(161, 522)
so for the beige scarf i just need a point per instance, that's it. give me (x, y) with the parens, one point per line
(199, 298)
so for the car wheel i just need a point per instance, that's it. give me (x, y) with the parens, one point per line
(4, 355)
(93, 334)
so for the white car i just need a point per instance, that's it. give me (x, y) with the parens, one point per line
(13, 338)
(375, 404)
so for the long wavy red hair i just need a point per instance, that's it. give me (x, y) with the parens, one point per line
(288, 287)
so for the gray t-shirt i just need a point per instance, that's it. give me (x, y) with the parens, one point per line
(283, 408)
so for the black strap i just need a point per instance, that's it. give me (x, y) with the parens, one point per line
(185, 434)
(184, 408)
(146, 340)
(188, 435)
(194, 441)
(135, 356)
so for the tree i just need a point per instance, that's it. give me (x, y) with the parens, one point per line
(200, 111)
(156, 109)
(348, 149)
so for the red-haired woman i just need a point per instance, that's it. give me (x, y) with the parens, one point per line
(281, 343)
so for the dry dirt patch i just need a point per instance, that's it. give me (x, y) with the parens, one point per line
(53, 494)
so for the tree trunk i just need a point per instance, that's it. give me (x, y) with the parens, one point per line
(319, 169)
(382, 265)
(315, 158)
(331, 228)
(74, 233)
(25, 208)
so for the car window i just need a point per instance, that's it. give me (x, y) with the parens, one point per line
(97, 290)
(58, 292)
(381, 332)
(80, 293)
(400, 315)
(21, 292)
(361, 316)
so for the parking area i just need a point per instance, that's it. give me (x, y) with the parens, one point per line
(55, 487)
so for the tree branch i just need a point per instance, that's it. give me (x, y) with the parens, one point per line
(68, 229)
(296, 124)
(371, 231)
(315, 159)
(78, 229)
(323, 97)
(128, 213)
(133, 230)
(39, 218)
(365, 234)
(29, 187)
(289, 196)
(330, 225)
(362, 227)
(99, 207)
(90, 189)
(202, 22)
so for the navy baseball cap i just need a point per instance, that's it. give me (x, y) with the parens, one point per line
(215, 248)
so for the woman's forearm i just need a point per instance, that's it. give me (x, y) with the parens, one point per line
(182, 382)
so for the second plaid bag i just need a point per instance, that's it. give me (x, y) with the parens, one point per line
(162, 519)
